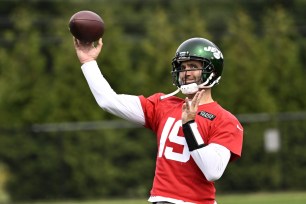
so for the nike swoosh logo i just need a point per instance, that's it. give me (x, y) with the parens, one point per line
(239, 128)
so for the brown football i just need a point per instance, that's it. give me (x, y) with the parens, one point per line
(86, 26)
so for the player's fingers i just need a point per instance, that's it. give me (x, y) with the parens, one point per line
(195, 100)
(187, 103)
(100, 44)
(184, 107)
(75, 42)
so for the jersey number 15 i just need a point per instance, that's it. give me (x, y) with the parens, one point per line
(174, 138)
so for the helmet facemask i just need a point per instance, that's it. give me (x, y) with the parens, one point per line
(207, 69)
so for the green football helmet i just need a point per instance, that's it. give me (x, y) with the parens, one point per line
(202, 50)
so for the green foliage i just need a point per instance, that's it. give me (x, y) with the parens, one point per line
(245, 69)
(23, 83)
(284, 62)
(41, 82)
(78, 165)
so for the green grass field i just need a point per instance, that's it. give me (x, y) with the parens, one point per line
(264, 198)
(257, 198)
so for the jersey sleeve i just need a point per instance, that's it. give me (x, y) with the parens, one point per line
(149, 106)
(228, 132)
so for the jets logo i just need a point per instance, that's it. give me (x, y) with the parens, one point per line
(217, 54)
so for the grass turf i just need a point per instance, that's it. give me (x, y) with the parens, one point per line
(254, 198)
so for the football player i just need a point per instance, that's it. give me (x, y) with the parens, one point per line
(196, 137)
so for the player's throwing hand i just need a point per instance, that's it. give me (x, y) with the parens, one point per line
(87, 52)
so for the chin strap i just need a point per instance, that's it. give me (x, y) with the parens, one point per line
(193, 87)
(170, 94)
(202, 86)
(185, 89)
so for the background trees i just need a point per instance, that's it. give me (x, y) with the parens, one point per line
(41, 83)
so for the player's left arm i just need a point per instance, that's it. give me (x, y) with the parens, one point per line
(212, 159)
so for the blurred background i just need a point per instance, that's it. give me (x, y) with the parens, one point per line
(56, 143)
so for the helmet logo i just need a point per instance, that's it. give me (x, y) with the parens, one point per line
(217, 54)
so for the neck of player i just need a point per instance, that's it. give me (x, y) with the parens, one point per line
(206, 98)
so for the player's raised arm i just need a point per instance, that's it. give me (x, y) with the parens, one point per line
(87, 27)
(124, 106)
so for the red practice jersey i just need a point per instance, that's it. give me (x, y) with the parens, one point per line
(176, 175)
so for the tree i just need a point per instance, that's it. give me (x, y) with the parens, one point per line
(243, 89)
(23, 82)
(284, 71)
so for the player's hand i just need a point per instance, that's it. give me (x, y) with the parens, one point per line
(190, 108)
(87, 51)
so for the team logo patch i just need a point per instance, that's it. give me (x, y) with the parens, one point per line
(207, 115)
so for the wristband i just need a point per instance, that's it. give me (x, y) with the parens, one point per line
(192, 135)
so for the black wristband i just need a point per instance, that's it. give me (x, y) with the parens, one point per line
(192, 135)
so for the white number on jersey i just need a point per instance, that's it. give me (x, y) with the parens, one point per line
(174, 138)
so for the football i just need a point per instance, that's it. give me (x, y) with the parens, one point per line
(86, 26)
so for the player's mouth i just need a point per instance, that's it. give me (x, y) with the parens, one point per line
(189, 81)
